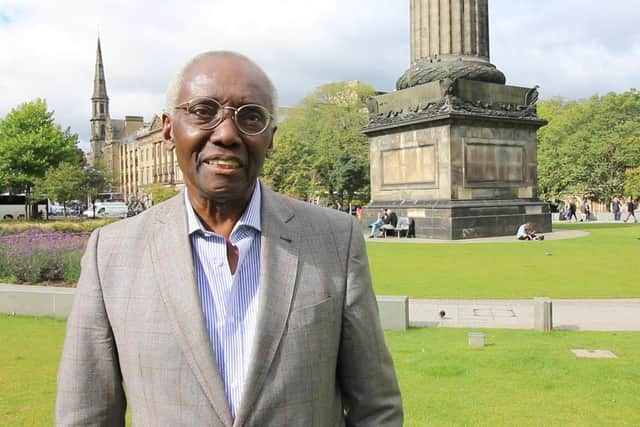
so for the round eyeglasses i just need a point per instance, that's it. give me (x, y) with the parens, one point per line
(207, 113)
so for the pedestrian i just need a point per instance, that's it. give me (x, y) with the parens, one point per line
(572, 210)
(616, 208)
(631, 207)
(228, 304)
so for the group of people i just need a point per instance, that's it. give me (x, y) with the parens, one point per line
(385, 216)
(569, 213)
(570, 210)
(616, 208)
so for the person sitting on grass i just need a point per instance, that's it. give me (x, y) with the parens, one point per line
(527, 232)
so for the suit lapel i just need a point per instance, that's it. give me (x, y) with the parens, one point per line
(175, 279)
(278, 267)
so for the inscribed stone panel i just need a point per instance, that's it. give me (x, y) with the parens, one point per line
(409, 165)
(487, 163)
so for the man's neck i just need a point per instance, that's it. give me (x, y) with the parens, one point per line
(219, 217)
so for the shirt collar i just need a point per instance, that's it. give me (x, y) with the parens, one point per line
(250, 217)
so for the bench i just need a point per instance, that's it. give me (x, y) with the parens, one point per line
(402, 225)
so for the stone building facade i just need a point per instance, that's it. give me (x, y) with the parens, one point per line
(131, 150)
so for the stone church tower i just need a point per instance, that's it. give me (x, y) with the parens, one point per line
(99, 109)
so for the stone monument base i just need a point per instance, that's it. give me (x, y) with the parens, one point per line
(467, 219)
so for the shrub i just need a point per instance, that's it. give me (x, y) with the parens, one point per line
(66, 226)
(36, 255)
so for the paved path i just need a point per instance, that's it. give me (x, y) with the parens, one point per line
(572, 314)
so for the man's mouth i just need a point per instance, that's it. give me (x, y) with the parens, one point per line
(223, 164)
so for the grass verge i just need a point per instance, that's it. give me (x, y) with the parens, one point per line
(519, 378)
(603, 265)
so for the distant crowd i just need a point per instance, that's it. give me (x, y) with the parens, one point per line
(572, 208)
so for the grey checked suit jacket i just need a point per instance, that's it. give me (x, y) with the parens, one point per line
(137, 328)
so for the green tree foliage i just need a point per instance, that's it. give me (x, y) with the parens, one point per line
(96, 179)
(62, 183)
(588, 145)
(319, 147)
(30, 144)
(632, 182)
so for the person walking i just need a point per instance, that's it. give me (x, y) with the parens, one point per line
(572, 210)
(616, 209)
(631, 207)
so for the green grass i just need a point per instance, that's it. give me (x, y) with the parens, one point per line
(29, 355)
(606, 264)
(522, 378)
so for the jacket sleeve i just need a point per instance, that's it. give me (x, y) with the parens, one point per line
(89, 390)
(366, 373)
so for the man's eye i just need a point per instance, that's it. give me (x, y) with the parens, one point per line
(204, 111)
(252, 116)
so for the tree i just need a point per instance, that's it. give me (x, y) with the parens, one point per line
(62, 183)
(632, 182)
(319, 147)
(588, 145)
(30, 144)
(96, 179)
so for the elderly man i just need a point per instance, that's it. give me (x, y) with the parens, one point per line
(228, 305)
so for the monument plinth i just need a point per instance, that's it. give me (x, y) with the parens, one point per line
(454, 148)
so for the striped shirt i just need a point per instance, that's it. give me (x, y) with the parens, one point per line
(229, 301)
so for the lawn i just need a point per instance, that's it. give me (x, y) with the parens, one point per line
(519, 378)
(606, 264)
(29, 354)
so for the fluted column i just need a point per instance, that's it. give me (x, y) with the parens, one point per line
(449, 40)
(450, 28)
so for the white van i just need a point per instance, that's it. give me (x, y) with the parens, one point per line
(108, 210)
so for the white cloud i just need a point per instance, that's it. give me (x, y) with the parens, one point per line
(572, 48)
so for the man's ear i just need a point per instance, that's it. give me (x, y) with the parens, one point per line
(167, 132)
(270, 147)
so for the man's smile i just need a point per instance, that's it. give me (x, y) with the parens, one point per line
(223, 164)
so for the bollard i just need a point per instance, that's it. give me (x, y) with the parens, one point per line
(393, 312)
(476, 339)
(542, 314)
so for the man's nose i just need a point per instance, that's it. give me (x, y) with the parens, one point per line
(226, 133)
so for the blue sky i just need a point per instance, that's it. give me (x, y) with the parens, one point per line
(571, 48)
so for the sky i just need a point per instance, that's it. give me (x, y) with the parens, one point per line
(570, 48)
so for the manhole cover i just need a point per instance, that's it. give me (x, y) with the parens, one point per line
(594, 354)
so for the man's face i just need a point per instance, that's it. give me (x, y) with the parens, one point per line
(221, 164)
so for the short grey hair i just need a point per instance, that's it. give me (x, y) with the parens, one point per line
(175, 84)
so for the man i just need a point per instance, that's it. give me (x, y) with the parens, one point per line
(228, 304)
(631, 207)
(616, 208)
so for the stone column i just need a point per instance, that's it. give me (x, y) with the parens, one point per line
(449, 40)
(458, 28)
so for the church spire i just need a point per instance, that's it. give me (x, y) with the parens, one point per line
(99, 107)
(99, 83)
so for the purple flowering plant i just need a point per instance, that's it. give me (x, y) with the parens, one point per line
(38, 255)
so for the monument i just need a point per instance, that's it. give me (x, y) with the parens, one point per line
(454, 148)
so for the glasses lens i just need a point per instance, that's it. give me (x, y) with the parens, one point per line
(205, 112)
(252, 119)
